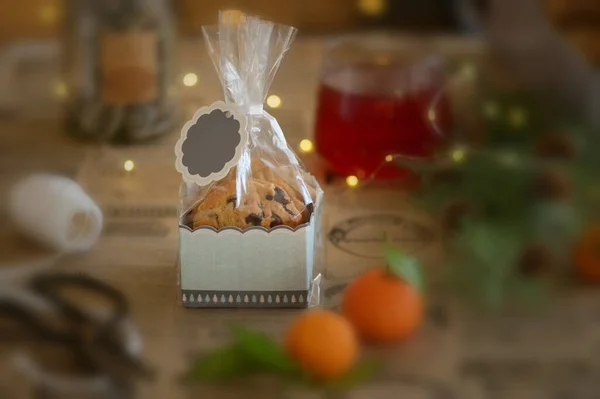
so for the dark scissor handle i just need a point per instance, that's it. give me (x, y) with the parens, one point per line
(50, 285)
(35, 324)
(98, 340)
(109, 354)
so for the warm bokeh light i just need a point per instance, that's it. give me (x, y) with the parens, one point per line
(352, 181)
(128, 165)
(49, 13)
(458, 155)
(190, 79)
(382, 60)
(509, 158)
(389, 158)
(517, 117)
(372, 7)
(60, 89)
(306, 145)
(274, 101)
(469, 71)
(431, 115)
(491, 109)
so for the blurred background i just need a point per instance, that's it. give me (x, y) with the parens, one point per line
(42, 19)
(97, 91)
(30, 19)
(47, 27)
(48, 53)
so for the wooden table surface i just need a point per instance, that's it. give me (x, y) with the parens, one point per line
(455, 355)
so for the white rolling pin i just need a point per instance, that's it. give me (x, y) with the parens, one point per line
(56, 212)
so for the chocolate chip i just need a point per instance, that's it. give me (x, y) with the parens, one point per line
(276, 220)
(254, 219)
(269, 197)
(307, 212)
(280, 196)
(288, 211)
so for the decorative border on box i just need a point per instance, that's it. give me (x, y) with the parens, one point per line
(245, 299)
(253, 228)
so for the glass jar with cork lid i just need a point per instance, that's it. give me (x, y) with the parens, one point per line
(119, 70)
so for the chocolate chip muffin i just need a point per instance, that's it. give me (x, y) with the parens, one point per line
(264, 203)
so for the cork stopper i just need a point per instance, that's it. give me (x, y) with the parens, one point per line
(232, 17)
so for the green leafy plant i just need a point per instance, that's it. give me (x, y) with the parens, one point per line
(502, 204)
(253, 353)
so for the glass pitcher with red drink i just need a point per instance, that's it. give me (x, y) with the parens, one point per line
(378, 96)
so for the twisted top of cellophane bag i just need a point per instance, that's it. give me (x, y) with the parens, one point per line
(268, 187)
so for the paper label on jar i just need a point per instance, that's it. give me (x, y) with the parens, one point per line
(129, 67)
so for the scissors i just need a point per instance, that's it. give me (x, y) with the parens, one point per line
(97, 343)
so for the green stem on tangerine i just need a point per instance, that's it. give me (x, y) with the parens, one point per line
(387, 243)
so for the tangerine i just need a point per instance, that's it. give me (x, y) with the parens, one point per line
(382, 307)
(323, 343)
(586, 254)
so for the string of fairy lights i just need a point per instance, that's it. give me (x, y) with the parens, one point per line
(516, 116)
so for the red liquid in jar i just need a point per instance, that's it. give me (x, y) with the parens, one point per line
(367, 112)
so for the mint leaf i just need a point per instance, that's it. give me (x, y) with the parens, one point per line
(404, 266)
(264, 352)
(254, 352)
(220, 364)
(355, 376)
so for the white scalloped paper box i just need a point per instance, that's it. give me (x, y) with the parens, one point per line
(253, 268)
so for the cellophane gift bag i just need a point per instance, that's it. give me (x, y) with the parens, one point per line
(249, 223)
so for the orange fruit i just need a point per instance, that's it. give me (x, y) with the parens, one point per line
(382, 307)
(586, 254)
(323, 343)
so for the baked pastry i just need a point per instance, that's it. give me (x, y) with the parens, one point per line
(267, 200)
(266, 204)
